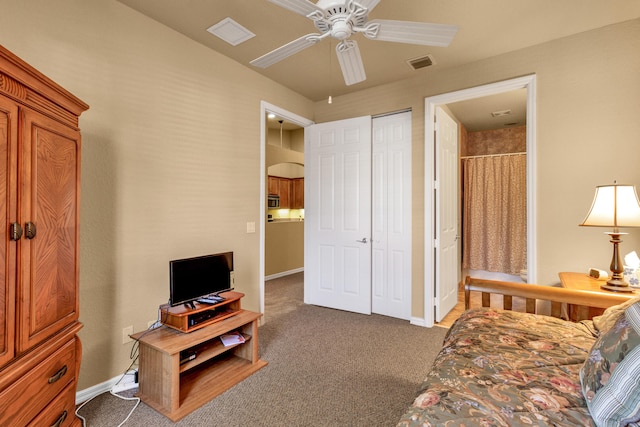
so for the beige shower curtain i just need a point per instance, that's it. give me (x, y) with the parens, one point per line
(495, 213)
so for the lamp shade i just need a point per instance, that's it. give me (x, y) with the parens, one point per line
(614, 206)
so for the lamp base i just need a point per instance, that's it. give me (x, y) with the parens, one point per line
(616, 285)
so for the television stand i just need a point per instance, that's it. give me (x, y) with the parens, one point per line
(178, 372)
(187, 319)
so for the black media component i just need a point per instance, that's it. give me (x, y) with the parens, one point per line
(193, 278)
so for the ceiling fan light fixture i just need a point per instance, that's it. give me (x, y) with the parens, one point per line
(341, 30)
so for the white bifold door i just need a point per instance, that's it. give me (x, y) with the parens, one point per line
(358, 215)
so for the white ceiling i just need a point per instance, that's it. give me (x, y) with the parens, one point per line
(486, 28)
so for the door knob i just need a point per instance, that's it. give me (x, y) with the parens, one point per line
(364, 240)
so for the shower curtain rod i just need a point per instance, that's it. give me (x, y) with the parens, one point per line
(493, 155)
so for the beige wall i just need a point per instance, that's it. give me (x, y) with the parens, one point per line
(588, 94)
(284, 247)
(171, 157)
(497, 141)
(171, 150)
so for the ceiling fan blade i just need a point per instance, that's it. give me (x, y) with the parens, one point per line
(369, 4)
(285, 51)
(350, 62)
(411, 32)
(302, 7)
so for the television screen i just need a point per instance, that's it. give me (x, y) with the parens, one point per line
(193, 278)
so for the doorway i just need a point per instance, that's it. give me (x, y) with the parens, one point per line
(433, 177)
(265, 109)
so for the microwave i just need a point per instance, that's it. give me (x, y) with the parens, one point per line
(273, 201)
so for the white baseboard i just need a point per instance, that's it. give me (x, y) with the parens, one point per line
(117, 384)
(284, 273)
(418, 321)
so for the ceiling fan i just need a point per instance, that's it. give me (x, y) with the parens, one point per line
(341, 19)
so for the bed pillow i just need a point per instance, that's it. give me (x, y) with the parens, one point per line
(610, 376)
(604, 322)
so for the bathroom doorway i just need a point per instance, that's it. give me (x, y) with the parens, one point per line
(432, 198)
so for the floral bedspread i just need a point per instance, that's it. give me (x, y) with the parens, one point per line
(503, 368)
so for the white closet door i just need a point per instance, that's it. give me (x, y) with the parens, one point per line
(337, 259)
(391, 216)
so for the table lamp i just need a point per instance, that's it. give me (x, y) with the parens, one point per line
(615, 206)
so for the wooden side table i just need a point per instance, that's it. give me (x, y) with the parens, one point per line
(584, 282)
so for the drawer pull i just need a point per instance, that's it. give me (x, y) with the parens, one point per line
(15, 231)
(60, 420)
(30, 230)
(58, 375)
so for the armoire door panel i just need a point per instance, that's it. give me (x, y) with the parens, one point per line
(8, 147)
(50, 201)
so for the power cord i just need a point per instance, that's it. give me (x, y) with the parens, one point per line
(133, 355)
(136, 399)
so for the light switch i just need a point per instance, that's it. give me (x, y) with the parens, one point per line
(251, 227)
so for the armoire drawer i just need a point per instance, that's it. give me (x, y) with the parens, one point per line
(60, 412)
(25, 398)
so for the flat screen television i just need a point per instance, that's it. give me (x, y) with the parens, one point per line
(193, 278)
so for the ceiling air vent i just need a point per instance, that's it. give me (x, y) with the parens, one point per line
(421, 62)
(501, 113)
(230, 31)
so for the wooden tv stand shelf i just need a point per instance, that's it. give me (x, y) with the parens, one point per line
(188, 320)
(176, 389)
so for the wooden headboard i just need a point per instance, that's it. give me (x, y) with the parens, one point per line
(579, 301)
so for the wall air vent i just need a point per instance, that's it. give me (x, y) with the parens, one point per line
(421, 62)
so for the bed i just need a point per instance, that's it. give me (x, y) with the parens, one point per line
(499, 367)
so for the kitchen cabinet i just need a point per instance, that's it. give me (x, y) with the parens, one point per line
(297, 193)
(286, 189)
(273, 185)
(285, 193)
(40, 203)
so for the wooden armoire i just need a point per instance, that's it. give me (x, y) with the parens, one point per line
(39, 247)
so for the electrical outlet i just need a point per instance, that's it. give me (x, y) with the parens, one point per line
(251, 227)
(126, 331)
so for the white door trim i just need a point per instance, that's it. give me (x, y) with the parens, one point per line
(526, 82)
(265, 108)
